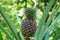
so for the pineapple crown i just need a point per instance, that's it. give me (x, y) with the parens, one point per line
(29, 12)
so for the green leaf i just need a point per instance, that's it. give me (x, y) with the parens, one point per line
(48, 22)
(52, 26)
(57, 36)
(20, 36)
(5, 31)
(9, 22)
(37, 34)
(1, 38)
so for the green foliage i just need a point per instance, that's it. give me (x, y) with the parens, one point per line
(10, 23)
(1, 38)
(2, 28)
(40, 28)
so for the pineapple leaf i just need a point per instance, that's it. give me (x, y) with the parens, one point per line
(48, 22)
(37, 34)
(5, 31)
(9, 22)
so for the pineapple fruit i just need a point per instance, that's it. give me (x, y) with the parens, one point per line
(28, 25)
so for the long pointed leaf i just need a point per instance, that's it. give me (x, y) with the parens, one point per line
(43, 20)
(48, 22)
(5, 31)
(19, 33)
(9, 22)
(52, 26)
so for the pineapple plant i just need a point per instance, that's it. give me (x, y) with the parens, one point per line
(28, 25)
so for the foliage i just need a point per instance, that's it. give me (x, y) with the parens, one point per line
(11, 17)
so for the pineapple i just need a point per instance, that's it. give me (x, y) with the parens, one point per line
(28, 25)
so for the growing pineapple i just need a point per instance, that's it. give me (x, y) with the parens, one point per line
(28, 25)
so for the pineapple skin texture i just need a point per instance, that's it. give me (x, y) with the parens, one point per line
(28, 27)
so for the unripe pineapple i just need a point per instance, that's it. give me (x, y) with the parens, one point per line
(28, 25)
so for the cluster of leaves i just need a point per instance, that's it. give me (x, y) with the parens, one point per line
(9, 26)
